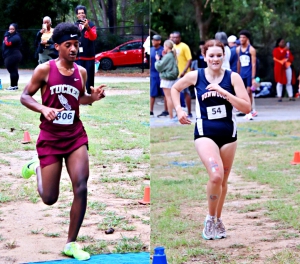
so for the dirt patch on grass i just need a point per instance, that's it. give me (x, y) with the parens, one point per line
(33, 231)
(252, 237)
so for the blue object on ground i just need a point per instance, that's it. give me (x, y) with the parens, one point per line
(159, 256)
(127, 258)
(183, 164)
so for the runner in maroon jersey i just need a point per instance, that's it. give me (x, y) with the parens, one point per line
(62, 135)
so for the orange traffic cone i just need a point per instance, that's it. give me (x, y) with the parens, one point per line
(296, 158)
(146, 199)
(27, 138)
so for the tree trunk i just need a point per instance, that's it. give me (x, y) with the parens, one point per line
(202, 25)
(103, 13)
(138, 21)
(123, 15)
(94, 13)
(112, 15)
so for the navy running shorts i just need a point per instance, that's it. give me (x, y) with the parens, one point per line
(220, 141)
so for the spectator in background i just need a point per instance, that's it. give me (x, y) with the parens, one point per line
(246, 67)
(184, 60)
(233, 56)
(168, 72)
(221, 36)
(11, 53)
(155, 89)
(200, 58)
(283, 73)
(86, 54)
(43, 41)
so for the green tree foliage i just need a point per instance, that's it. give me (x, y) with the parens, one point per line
(116, 13)
(29, 13)
(267, 20)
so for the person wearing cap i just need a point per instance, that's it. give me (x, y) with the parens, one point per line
(155, 89)
(62, 135)
(233, 56)
(246, 67)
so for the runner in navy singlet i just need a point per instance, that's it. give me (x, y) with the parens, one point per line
(62, 135)
(246, 67)
(217, 92)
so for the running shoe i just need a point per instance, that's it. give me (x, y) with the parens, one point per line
(248, 116)
(220, 229)
(12, 88)
(190, 115)
(209, 231)
(29, 168)
(173, 120)
(72, 249)
(162, 102)
(151, 114)
(163, 114)
(240, 114)
(254, 113)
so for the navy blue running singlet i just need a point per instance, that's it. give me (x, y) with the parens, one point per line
(214, 114)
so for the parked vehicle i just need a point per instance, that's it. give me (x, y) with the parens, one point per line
(127, 54)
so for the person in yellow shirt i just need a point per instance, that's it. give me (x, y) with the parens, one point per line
(184, 60)
(43, 41)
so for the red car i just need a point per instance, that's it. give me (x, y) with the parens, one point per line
(127, 54)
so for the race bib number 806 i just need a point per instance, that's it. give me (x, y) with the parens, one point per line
(216, 112)
(65, 117)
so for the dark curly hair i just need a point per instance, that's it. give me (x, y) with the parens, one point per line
(65, 28)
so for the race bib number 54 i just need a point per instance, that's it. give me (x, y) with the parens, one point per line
(65, 117)
(216, 112)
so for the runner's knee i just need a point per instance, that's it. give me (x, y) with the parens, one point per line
(80, 189)
(216, 178)
(49, 200)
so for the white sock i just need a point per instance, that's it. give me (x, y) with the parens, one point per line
(279, 89)
(289, 89)
(209, 217)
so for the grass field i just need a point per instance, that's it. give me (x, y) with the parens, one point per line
(261, 212)
(118, 131)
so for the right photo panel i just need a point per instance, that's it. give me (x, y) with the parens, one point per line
(224, 131)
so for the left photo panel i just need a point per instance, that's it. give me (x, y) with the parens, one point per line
(75, 133)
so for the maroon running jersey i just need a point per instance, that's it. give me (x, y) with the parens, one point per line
(66, 133)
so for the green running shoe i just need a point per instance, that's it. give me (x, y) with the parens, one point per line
(29, 168)
(72, 249)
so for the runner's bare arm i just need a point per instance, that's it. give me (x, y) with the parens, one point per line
(238, 64)
(241, 100)
(253, 60)
(187, 80)
(38, 81)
